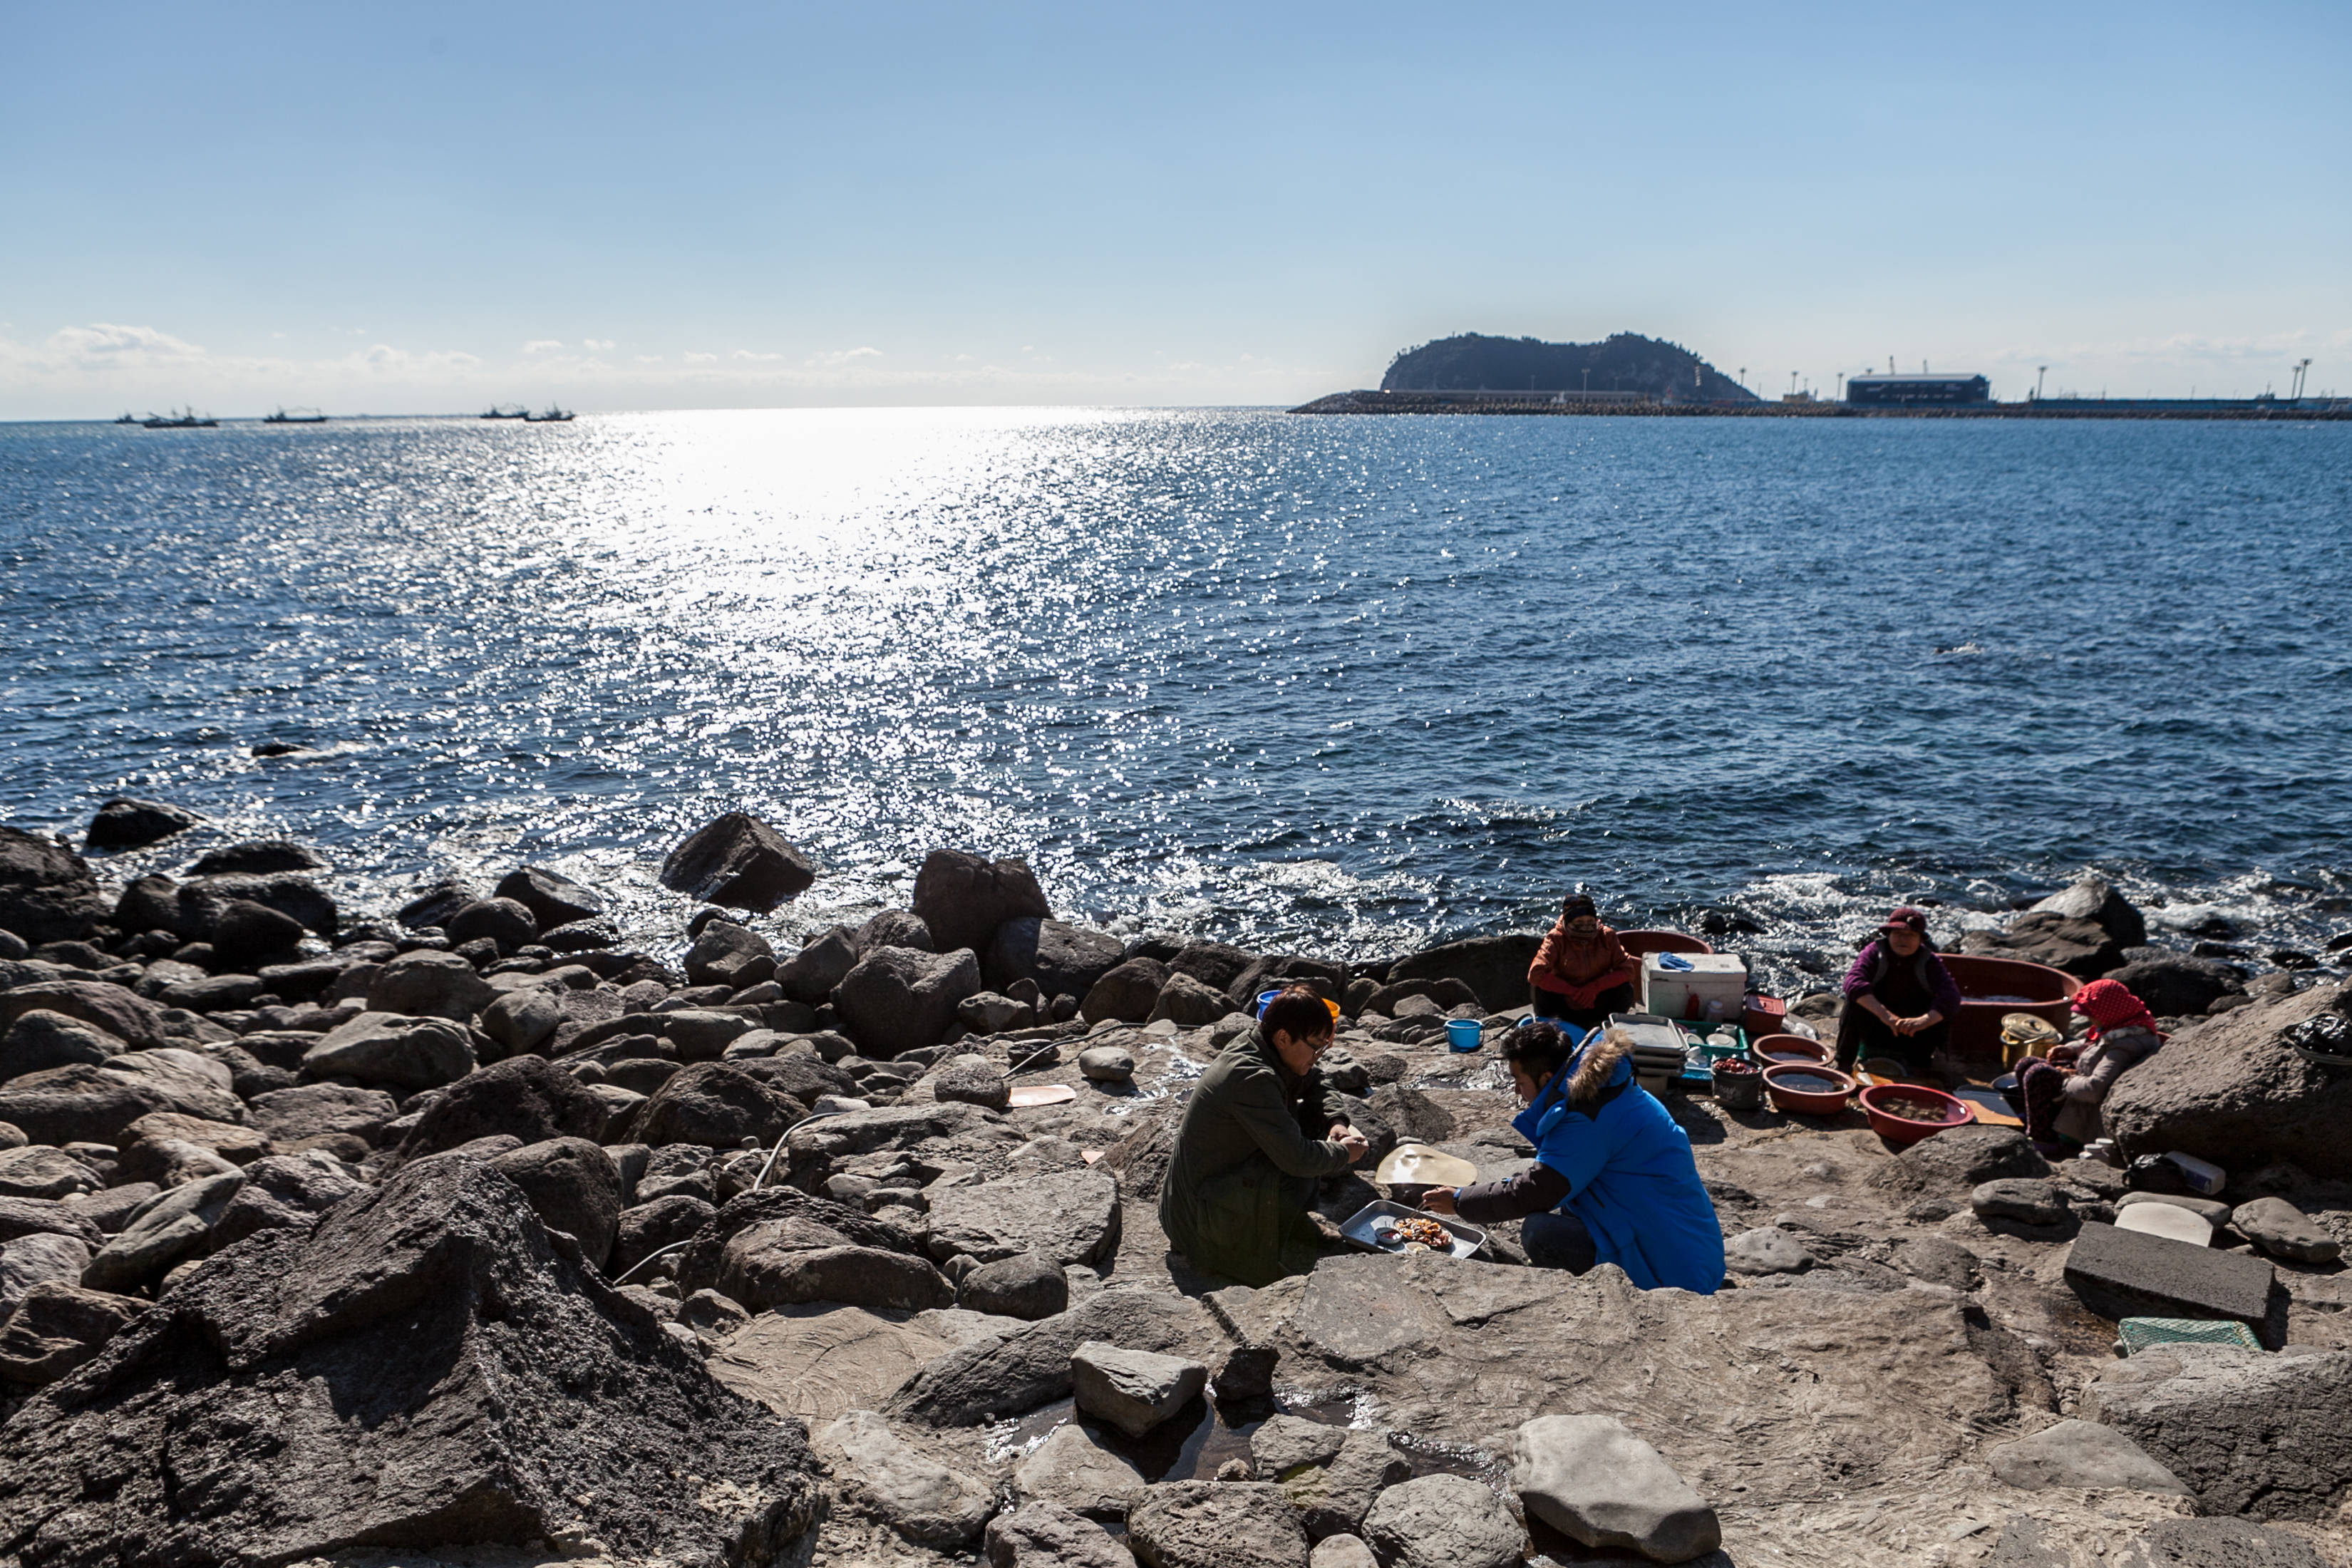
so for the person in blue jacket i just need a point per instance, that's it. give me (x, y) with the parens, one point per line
(1614, 1180)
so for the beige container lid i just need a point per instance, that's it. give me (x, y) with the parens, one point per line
(1418, 1165)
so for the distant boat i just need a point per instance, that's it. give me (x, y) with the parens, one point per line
(128, 420)
(300, 417)
(186, 419)
(552, 416)
(498, 413)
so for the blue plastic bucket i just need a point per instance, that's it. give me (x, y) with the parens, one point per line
(1462, 1034)
(1263, 998)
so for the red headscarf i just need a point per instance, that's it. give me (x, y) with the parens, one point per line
(2109, 1004)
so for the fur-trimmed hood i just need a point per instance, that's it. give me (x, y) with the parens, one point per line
(1596, 1065)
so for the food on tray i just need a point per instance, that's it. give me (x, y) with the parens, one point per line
(1427, 1232)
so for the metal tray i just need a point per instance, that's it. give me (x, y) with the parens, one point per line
(1361, 1225)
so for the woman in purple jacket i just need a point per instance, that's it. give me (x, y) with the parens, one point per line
(1899, 1001)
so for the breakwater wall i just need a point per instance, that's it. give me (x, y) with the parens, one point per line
(1370, 402)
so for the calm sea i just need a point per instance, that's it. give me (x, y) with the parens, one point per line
(1348, 683)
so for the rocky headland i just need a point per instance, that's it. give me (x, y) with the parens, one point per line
(466, 1231)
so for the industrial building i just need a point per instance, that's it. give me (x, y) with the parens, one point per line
(1917, 391)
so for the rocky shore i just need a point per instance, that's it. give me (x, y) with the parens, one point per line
(474, 1234)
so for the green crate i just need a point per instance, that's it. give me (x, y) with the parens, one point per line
(2134, 1335)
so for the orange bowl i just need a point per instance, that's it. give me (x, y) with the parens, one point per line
(1795, 1086)
(1905, 1131)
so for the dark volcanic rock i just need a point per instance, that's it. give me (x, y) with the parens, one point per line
(810, 974)
(1493, 967)
(126, 824)
(249, 934)
(256, 857)
(553, 899)
(2094, 898)
(1065, 960)
(715, 1103)
(528, 1097)
(500, 920)
(894, 927)
(283, 1191)
(2082, 948)
(731, 956)
(434, 904)
(963, 899)
(2249, 1433)
(47, 891)
(2175, 987)
(1961, 1160)
(574, 1187)
(41, 1039)
(1126, 992)
(646, 1230)
(994, 1377)
(428, 1367)
(199, 904)
(78, 1104)
(131, 1019)
(899, 999)
(58, 1327)
(739, 862)
(2229, 1090)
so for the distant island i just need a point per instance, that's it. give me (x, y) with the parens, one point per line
(1624, 363)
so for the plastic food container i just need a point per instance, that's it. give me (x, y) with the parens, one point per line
(1904, 1131)
(1462, 1034)
(1373, 1227)
(1808, 1089)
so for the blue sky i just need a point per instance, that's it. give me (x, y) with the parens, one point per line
(427, 206)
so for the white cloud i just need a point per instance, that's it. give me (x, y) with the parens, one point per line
(542, 345)
(747, 353)
(701, 358)
(846, 357)
(103, 345)
(597, 345)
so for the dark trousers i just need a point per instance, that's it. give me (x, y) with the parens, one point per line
(1552, 1004)
(2044, 1088)
(1862, 1034)
(1557, 1239)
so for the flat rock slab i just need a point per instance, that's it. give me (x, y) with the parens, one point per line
(1216, 1524)
(2283, 1230)
(2079, 1454)
(2122, 1273)
(821, 1362)
(2163, 1219)
(1767, 1250)
(1287, 1443)
(1007, 1374)
(1133, 1390)
(915, 1495)
(1071, 1470)
(1040, 1535)
(1591, 1478)
(1069, 1216)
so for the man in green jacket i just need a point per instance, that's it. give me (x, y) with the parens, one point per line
(1248, 1155)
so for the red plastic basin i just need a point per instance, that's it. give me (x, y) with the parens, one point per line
(1905, 1131)
(1638, 942)
(2048, 995)
(1789, 1048)
(1787, 1083)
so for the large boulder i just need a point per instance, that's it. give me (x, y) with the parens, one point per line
(2078, 1454)
(2229, 1089)
(127, 824)
(553, 899)
(916, 1496)
(528, 1097)
(963, 898)
(198, 904)
(1014, 1372)
(2248, 1432)
(173, 1229)
(321, 1110)
(393, 1049)
(248, 935)
(2094, 898)
(1188, 1003)
(574, 1187)
(1069, 1216)
(2175, 985)
(1069, 1470)
(502, 922)
(714, 1103)
(731, 956)
(1135, 1391)
(44, 1258)
(257, 857)
(1590, 1478)
(37, 1171)
(1495, 967)
(58, 1326)
(899, 999)
(738, 862)
(813, 1251)
(1216, 1524)
(2082, 948)
(47, 891)
(282, 1192)
(1065, 960)
(894, 927)
(429, 984)
(430, 1369)
(41, 1039)
(1961, 1161)
(1444, 1521)
(131, 1019)
(1126, 993)
(810, 974)
(1042, 1534)
(94, 1104)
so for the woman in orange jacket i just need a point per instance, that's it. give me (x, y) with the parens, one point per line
(1583, 972)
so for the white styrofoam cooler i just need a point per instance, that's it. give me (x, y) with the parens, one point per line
(1711, 977)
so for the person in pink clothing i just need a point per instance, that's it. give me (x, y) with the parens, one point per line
(1583, 972)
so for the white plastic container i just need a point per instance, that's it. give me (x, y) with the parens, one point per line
(2204, 1179)
(1712, 977)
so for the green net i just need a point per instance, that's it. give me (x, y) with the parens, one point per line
(2138, 1334)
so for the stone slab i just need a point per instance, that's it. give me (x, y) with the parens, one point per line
(2125, 1273)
